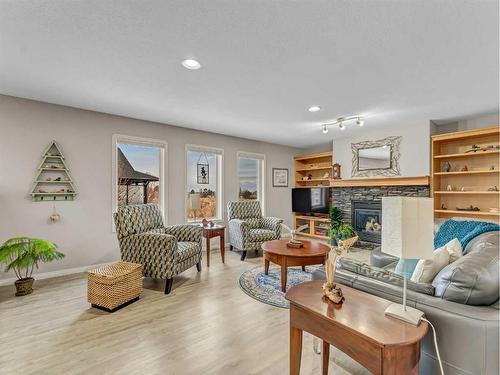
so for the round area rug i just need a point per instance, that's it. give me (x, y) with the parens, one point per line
(267, 288)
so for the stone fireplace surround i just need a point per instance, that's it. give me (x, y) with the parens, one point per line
(343, 197)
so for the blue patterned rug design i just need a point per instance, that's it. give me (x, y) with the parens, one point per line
(267, 288)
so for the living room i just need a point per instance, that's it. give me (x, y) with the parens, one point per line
(181, 181)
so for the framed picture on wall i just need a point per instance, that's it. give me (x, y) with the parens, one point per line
(280, 177)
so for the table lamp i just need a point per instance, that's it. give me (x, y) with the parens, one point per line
(194, 203)
(407, 233)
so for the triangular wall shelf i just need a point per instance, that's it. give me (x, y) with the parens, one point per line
(53, 181)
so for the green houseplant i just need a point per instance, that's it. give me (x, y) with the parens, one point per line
(338, 229)
(22, 255)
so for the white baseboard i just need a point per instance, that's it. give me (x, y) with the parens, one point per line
(48, 275)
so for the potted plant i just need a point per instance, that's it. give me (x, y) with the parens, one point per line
(338, 229)
(22, 255)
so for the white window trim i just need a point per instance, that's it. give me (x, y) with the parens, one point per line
(262, 175)
(140, 141)
(220, 178)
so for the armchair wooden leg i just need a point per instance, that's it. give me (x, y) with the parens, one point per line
(168, 285)
(243, 255)
(198, 266)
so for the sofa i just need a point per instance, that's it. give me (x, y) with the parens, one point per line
(467, 327)
(163, 251)
(248, 229)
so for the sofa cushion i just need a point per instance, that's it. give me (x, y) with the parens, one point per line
(186, 250)
(261, 235)
(472, 279)
(427, 269)
(383, 275)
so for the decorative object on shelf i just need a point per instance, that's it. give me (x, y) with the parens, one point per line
(22, 255)
(330, 289)
(462, 188)
(341, 121)
(280, 177)
(211, 223)
(204, 222)
(376, 158)
(446, 167)
(443, 207)
(309, 176)
(55, 216)
(474, 148)
(336, 171)
(293, 233)
(326, 176)
(492, 168)
(470, 208)
(202, 170)
(449, 188)
(493, 188)
(464, 168)
(53, 170)
(305, 178)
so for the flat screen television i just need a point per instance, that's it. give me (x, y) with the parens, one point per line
(310, 200)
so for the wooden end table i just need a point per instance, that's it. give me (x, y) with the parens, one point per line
(358, 327)
(276, 251)
(211, 232)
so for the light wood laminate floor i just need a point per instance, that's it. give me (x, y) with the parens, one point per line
(207, 325)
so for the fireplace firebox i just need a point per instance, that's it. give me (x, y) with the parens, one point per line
(366, 218)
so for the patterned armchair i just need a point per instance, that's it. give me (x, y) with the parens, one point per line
(163, 251)
(248, 229)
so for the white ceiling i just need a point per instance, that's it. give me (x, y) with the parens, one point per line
(264, 62)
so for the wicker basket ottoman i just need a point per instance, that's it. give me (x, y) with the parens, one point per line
(114, 286)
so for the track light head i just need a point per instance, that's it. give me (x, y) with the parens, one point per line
(341, 126)
(325, 129)
(360, 121)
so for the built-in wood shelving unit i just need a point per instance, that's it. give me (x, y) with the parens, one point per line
(470, 187)
(314, 167)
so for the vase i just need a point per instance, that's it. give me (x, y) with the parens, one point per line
(24, 286)
(446, 167)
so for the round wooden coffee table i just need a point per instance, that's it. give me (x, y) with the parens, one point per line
(276, 251)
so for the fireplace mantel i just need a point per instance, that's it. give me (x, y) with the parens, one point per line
(381, 181)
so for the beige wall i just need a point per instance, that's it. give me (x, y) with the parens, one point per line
(484, 121)
(84, 232)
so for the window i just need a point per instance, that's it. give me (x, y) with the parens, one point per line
(251, 177)
(204, 179)
(138, 171)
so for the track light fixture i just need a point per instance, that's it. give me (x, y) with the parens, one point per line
(341, 122)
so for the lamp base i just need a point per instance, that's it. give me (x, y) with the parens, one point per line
(410, 315)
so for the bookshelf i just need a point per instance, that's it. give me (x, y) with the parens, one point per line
(470, 187)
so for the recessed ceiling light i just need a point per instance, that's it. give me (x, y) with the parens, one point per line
(314, 108)
(191, 64)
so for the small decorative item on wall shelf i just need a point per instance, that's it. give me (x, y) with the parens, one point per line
(336, 171)
(53, 182)
(446, 167)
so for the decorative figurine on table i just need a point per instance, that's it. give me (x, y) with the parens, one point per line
(446, 167)
(292, 233)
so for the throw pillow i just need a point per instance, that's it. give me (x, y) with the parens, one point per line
(454, 249)
(427, 269)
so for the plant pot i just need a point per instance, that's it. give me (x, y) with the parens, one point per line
(24, 286)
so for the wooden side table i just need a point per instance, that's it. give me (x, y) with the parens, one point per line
(211, 232)
(358, 327)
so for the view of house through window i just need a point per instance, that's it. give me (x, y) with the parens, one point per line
(138, 174)
(203, 173)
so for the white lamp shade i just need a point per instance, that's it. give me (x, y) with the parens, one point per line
(408, 227)
(194, 201)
